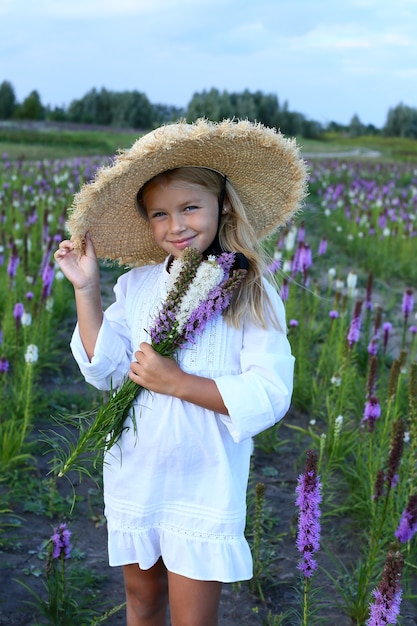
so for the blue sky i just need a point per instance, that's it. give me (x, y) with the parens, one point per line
(330, 59)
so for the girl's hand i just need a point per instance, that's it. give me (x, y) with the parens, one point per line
(80, 269)
(155, 372)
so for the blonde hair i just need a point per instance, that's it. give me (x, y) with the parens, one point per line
(235, 235)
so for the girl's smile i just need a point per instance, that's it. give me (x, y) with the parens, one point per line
(181, 216)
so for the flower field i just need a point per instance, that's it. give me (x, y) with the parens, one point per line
(346, 270)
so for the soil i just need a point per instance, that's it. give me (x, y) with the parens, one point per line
(280, 584)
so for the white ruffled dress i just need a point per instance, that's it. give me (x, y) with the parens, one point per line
(177, 488)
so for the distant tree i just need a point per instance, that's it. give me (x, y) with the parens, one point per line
(356, 128)
(401, 122)
(56, 114)
(93, 108)
(163, 113)
(131, 109)
(7, 100)
(335, 127)
(31, 108)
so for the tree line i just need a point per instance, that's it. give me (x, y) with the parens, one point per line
(133, 110)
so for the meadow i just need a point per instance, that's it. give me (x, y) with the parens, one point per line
(332, 504)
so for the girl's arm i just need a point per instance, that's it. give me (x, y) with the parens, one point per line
(163, 375)
(83, 272)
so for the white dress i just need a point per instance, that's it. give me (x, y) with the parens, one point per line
(177, 488)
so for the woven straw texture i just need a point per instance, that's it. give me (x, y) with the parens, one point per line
(264, 167)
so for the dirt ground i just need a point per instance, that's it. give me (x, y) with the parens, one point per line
(239, 606)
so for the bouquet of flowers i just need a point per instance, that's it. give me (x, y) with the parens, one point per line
(198, 291)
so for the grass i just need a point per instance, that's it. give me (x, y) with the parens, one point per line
(54, 141)
(43, 143)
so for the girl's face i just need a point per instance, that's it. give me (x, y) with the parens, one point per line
(181, 216)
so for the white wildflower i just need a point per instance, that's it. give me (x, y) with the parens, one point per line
(32, 353)
(209, 275)
(338, 423)
(336, 380)
(26, 319)
(352, 280)
(290, 239)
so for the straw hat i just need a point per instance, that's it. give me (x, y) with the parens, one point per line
(265, 169)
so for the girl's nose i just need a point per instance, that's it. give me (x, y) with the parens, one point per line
(177, 224)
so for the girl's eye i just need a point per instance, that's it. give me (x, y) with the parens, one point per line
(157, 214)
(190, 208)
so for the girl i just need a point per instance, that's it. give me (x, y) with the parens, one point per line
(175, 489)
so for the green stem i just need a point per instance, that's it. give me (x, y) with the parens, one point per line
(305, 600)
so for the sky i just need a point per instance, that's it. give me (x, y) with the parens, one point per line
(328, 59)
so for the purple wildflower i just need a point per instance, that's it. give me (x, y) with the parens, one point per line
(47, 280)
(355, 325)
(301, 232)
(61, 545)
(371, 412)
(284, 291)
(4, 365)
(274, 266)
(413, 330)
(293, 323)
(13, 262)
(387, 327)
(18, 311)
(386, 606)
(322, 246)
(308, 492)
(408, 303)
(217, 301)
(408, 522)
(226, 260)
(333, 314)
(373, 345)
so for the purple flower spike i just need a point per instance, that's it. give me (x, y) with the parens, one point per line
(18, 311)
(61, 545)
(4, 365)
(386, 607)
(285, 290)
(322, 246)
(387, 327)
(371, 412)
(308, 492)
(408, 303)
(355, 325)
(408, 522)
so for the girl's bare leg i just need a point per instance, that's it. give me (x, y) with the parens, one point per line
(193, 602)
(146, 595)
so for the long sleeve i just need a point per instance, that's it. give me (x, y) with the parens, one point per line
(260, 396)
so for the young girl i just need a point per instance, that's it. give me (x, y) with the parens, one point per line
(175, 489)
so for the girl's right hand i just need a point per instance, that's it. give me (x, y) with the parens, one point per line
(81, 269)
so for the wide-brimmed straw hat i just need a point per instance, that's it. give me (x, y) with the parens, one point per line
(263, 166)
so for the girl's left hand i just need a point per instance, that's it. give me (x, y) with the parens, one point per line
(155, 372)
